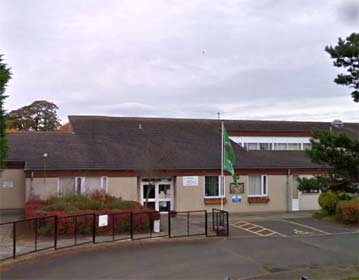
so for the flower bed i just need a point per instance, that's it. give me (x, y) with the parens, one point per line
(258, 199)
(84, 208)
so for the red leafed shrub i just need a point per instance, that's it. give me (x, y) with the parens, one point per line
(84, 207)
(348, 211)
(102, 196)
(31, 210)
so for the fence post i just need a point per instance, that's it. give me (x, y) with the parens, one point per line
(113, 227)
(36, 224)
(213, 219)
(75, 230)
(14, 240)
(227, 223)
(131, 224)
(55, 233)
(94, 228)
(169, 223)
(206, 223)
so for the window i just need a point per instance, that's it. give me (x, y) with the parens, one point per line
(258, 185)
(212, 186)
(104, 183)
(264, 146)
(79, 185)
(293, 147)
(252, 146)
(280, 146)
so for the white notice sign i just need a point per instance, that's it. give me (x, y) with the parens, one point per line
(103, 220)
(190, 181)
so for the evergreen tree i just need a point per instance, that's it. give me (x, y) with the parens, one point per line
(5, 76)
(346, 55)
(340, 152)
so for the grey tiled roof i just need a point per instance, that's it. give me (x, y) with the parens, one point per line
(103, 143)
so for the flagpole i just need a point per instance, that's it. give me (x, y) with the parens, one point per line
(222, 163)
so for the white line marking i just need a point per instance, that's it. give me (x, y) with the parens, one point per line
(299, 224)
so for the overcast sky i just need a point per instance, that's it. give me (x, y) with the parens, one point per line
(249, 59)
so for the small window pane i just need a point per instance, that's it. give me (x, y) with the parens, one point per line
(252, 146)
(164, 191)
(264, 146)
(254, 187)
(150, 190)
(264, 185)
(211, 186)
(293, 147)
(281, 146)
(164, 206)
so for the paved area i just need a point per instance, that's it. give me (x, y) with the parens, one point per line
(273, 247)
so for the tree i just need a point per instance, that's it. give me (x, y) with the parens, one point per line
(346, 55)
(341, 153)
(155, 155)
(38, 116)
(5, 76)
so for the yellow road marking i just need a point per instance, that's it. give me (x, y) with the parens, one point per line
(244, 226)
(296, 231)
(312, 228)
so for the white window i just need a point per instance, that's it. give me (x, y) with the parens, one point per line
(280, 146)
(252, 146)
(293, 147)
(80, 185)
(258, 185)
(104, 183)
(265, 146)
(213, 187)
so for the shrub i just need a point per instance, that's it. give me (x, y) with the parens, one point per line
(348, 211)
(328, 201)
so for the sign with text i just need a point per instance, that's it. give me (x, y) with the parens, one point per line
(7, 184)
(103, 220)
(190, 181)
(236, 199)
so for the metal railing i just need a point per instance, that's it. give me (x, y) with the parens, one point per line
(220, 223)
(28, 236)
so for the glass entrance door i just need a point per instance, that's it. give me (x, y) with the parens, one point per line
(157, 193)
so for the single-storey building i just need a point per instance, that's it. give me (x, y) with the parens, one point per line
(174, 164)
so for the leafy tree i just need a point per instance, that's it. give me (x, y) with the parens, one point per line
(5, 76)
(341, 153)
(346, 55)
(38, 116)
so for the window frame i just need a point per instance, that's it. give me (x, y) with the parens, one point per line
(83, 186)
(221, 195)
(102, 187)
(264, 178)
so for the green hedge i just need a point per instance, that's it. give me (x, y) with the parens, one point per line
(328, 201)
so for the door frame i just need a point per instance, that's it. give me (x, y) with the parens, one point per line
(158, 181)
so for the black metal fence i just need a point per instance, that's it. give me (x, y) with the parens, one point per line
(56, 232)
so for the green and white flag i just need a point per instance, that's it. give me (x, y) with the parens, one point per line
(229, 158)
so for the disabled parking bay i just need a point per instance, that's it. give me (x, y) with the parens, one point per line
(287, 227)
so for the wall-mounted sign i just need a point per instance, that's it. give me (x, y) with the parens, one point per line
(236, 199)
(7, 184)
(190, 181)
(233, 189)
(103, 220)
